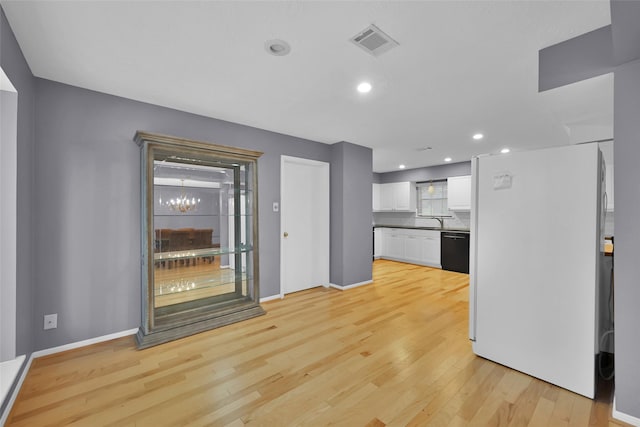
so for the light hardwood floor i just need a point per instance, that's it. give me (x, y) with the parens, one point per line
(391, 353)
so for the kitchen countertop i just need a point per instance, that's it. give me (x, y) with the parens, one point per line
(412, 227)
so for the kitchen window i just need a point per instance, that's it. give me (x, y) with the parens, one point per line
(432, 198)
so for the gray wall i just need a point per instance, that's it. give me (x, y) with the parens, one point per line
(351, 216)
(576, 59)
(336, 197)
(424, 174)
(625, 31)
(8, 185)
(87, 204)
(627, 238)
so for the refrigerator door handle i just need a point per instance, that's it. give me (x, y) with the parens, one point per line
(473, 245)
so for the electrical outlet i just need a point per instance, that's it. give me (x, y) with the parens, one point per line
(51, 321)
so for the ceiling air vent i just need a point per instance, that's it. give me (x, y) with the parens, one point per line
(373, 40)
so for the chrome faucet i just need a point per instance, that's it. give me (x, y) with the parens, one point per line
(441, 221)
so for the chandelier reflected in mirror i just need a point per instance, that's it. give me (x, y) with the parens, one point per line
(183, 203)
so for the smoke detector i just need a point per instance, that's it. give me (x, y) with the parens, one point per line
(373, 40)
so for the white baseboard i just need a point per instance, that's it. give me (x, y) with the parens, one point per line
(271, 298)
(84, 343)
(629, 419)
(14, 395)
(225, 266)
(355, 285)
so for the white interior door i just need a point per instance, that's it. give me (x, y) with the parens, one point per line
(304, 224)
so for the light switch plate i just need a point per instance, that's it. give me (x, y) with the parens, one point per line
(276, 207)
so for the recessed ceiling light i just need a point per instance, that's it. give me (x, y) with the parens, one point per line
(505, 150)
(447, 159)
(364, 87)
(478, 136)
(277, 47)
(401, 166)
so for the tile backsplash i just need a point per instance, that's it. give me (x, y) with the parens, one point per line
(458, 220)
(409, 219)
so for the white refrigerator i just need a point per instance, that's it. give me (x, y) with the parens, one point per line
(536, 240)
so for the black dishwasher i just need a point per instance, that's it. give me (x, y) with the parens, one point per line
(454, 251)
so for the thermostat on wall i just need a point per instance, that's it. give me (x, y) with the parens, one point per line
(502, 180)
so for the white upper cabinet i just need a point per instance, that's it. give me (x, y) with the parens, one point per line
(394, 197)
(404, 196)
(387, 197)
(459, 197)
(376, 197)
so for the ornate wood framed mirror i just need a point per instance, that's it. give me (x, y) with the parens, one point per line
(199, 237)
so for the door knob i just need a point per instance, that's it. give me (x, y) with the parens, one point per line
(286, 234)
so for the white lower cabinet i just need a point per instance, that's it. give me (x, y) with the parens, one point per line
(378, 242)
(394, 245)
(413, 248)
(431, 249)
(410, 245)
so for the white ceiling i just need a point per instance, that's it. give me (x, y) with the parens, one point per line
(460, 67)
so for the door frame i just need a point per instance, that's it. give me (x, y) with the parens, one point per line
(8, 220)
(325, 166)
